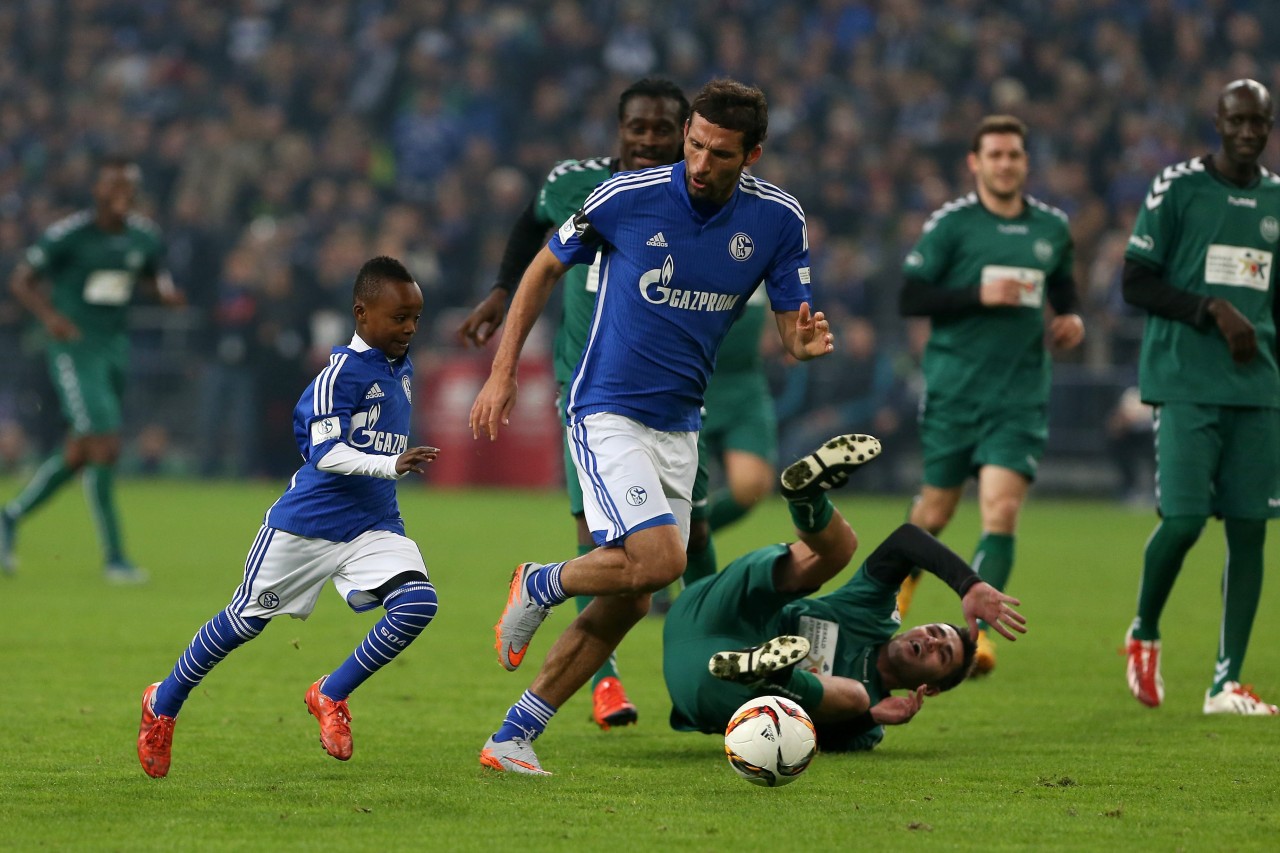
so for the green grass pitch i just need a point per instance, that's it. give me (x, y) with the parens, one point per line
(1049, 753)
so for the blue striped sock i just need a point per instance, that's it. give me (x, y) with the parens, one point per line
(410, 608)
(543, 585)
(219, 637)
(527, 718)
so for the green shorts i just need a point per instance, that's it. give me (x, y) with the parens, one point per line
(701, 510)
(731, 610)
(956, 444)
(89, 377)
(740, 416)
(1217, 460)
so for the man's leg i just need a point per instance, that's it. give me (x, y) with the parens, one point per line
(1001, 493)
(750, 478)
(51, 476)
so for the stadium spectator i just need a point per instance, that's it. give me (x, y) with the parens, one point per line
(634, 425)
(1201, 264)
(338, 520)
(651, 117)
(91, 263)
(983, 271)
(836, 655)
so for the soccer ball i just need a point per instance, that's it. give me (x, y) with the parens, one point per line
(770, 741)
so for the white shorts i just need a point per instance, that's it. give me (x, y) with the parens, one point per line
(632, 476)
(284, 573)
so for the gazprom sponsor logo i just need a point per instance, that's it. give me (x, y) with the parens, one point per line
(364, 435)
(655, 287)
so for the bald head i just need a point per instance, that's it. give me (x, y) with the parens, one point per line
(1244, 121)
(1249, 89)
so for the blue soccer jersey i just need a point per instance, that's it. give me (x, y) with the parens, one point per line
(364, 401)
(672, 281)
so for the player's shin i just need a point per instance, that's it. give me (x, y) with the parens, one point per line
(216, 639)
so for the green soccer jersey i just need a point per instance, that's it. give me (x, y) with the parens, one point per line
(991, 356)
(562, 195)
(94, 272)
(1212, 238)
(740, 350)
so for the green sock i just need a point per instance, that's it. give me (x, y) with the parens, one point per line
(1241, 589)
(48, 478)
(811, 514)
(725, 510)
(1161, 562)
(993, 561)
(99, 489)
(700, 564)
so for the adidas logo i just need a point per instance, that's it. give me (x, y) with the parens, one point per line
(374, 393)
(657, 240)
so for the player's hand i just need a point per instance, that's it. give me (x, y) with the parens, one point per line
(983, 601)
(896, 710)
(484, 319)
(60, 328)
(1239, 333)
(813, 333)
(493, 405)
(415, 458)
(1000, 292)
(1066, 331)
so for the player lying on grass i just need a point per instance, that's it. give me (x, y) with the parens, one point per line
(338, 520)
(837, 655)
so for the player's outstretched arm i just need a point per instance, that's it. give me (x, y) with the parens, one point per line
(415, 458)
(985, 602)
(497, 397)
(806, 334)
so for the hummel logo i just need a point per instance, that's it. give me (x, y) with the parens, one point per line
(657, 240)
(374, 393)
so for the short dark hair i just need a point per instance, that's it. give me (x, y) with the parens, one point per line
(654, 87)
(963, 671)
(375, 273)
(115, 160)
(998, 124)
(735, 106)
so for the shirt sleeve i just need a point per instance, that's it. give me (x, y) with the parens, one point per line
(788, 279)
(593, 226)
(333, 398)
(1156, 228)
(343, 459)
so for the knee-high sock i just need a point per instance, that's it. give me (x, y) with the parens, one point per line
(1241, 589)
(699, 564)
(725, 510)
(99, 490)
(1161, 562)
(219, 637)
(410, 609)
(48, 478)
(993, 561)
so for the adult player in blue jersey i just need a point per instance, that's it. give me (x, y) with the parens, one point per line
(684, 246)
(338, 521)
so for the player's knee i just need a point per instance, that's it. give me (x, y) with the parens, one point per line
(659, 573)
(411, 607)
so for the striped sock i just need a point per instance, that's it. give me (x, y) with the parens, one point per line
(219, 637)
(410, 608)
(526, 719)
(543, 585)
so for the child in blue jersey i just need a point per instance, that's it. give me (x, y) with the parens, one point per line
(681, 248)
(338, 521)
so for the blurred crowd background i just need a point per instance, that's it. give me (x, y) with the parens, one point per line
(283, 143)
